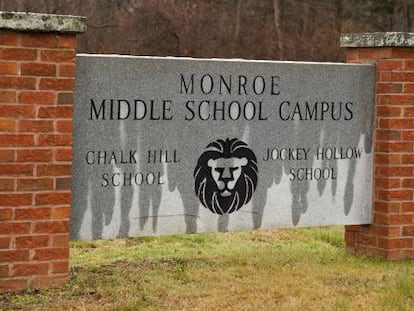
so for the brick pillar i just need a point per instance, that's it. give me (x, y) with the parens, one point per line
(37, 63)
(391, 234)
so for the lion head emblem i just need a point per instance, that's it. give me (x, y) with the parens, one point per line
(226, 176)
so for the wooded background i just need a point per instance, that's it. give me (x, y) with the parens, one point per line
(306, 30)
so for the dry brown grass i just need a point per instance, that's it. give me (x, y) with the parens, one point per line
(305, 269)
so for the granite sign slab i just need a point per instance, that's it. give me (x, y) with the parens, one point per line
(178, 145)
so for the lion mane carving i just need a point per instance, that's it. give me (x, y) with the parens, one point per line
(226, 176)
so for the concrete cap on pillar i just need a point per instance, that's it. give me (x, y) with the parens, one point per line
(377, 39)
(37, 22)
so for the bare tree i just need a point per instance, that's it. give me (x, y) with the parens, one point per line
(403, 17)
(252, 29)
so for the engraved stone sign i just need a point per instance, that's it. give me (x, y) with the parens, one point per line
(178, 145)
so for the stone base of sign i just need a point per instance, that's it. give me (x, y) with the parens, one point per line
(37, 54)
(391, 234)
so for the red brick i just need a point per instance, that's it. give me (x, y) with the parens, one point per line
(5, 214)
(54, 170)
(7, 125)
(8, 68)
(389, 87)
(51, 253)
(387, 207)
(389, 111)
(60, 266)
(394, 219)
(26, 269)
(15, 199)
(21, 111)
(387, 183)
(44, 40)
(63, 154)
(41, 98)
(35, 126)
(4, 271)
(385, 52)
(62, 212)
(402, 53)
(396, 123)
(55, 140)
(5, 242)
(34, 155)
(64, 126)
(409, 64)
(32, 241)
(365, 239)
(6, 155)
(13, 255)
(60, 240)
(407, 159)
(61, 226)
(395, 195)
(63, 183)
(57, 55)
(384, 76)
(67, 70)
(407, 253)
(34, 184)
(395, 243)
(55, 112)
(408, 183)
(12, 285)
(49, 281)
(51, 198)
(11, 169)
(407, 135)
(408, 230)
(409, 88)
(386, 231)
(396, 99)
(14, 227)
(8, 38)
(31, 213)
(349, 238)
(407, 207)
(6, 184)
(67, 41)
(8, 227)
(18, 54)
(368, 53)
(402, 76)
(8, 97)
(355, 228)
(394, 171)
(405, 146)
(38, 69)
(387, 64)
(17, 83)
(65, 98)
(352, 54)
(408, 112)
(60, 84)
(394, 254)
(10, 140)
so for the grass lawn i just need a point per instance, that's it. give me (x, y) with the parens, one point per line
(295, 269)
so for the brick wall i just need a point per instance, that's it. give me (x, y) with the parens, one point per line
(36, 87)
(391, 234)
